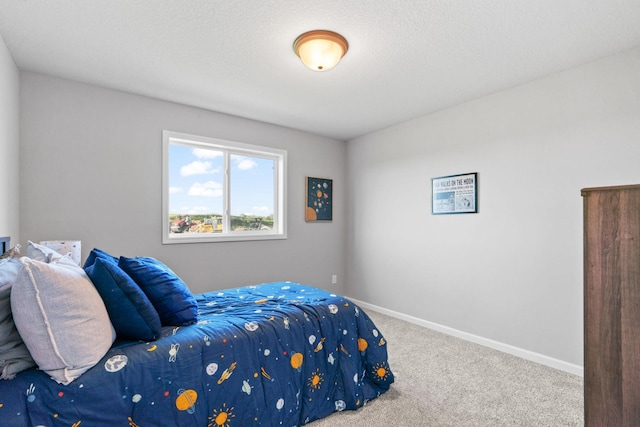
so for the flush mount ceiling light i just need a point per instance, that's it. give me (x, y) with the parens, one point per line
(320, 50)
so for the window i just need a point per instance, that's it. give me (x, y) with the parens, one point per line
(216, 190)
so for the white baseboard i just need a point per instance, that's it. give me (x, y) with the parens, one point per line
(506, 348)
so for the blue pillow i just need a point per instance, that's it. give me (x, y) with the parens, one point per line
(97, 253)
(171, 297)
(132, 314)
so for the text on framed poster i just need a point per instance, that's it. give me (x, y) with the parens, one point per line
(454, 194)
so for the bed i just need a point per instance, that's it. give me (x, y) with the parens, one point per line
(273, 354)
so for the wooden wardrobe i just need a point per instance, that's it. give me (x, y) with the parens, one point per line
(612, 306)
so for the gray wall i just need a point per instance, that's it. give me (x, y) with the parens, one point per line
(9, 143)
(513, 272)
(91, 170)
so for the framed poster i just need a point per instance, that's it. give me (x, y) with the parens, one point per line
(454, 194)
(319, 199)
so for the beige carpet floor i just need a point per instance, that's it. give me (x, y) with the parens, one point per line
(443, 381)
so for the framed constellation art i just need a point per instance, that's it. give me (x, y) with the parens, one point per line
(319, 199)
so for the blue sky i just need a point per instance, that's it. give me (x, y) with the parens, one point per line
(196, 182)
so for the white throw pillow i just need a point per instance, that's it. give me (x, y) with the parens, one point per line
(61, 317)
(14, 356)
(45, 254)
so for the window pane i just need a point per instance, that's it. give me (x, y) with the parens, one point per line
(219, 191)
(252, 193)
(195, 190)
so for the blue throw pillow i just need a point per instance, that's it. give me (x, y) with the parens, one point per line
(97, 253)
(132, 314)
(171, 297)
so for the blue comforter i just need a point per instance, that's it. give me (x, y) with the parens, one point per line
(277, 354)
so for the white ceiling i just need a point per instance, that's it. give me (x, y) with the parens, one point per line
(406, 58)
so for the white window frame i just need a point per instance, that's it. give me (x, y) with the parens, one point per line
(279, 230)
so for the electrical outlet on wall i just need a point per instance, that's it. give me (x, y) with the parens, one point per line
(334, 279)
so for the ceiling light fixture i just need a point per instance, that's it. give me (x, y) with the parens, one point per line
(320, 50)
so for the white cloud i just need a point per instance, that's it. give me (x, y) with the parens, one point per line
(258, 210)
(203, 153)
(197, 168)
(175, 190)
(206, 189)
(243, 163)
(247, 164)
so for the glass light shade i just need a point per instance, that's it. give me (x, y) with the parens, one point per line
(320, 50)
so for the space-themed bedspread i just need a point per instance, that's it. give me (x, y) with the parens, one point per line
(277, 354)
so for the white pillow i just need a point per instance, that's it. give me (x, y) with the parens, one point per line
(45, 254)
(14, 356)
(61, 317)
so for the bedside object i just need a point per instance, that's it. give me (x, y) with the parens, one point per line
(4, 244)
(64, 247)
